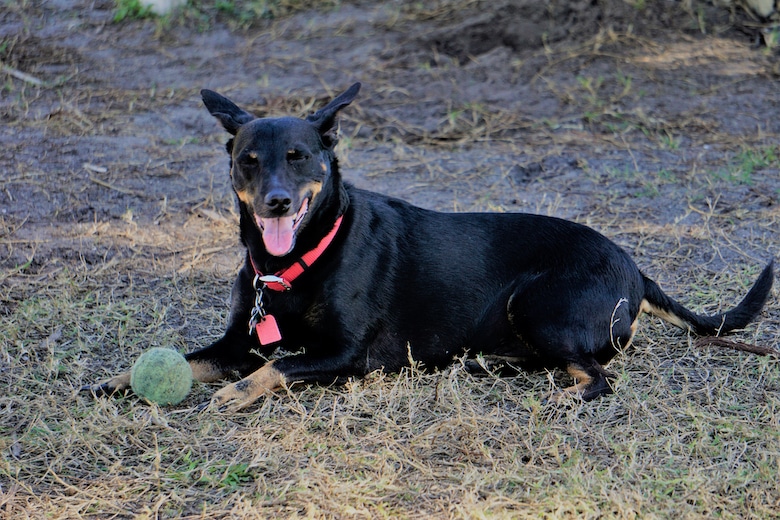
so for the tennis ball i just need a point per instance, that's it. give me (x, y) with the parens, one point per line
(162, 376)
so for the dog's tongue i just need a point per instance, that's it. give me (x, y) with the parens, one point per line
(278, 234)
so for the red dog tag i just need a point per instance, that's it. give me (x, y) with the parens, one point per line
(268, 331)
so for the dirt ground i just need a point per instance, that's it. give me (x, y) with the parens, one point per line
(643, 122)
(654, 122)
(601, 109)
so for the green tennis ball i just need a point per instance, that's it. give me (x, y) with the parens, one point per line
(162, 376)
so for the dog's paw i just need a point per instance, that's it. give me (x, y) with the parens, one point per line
(232, 398)
(242, 394)
(116, 385)
(562, 397)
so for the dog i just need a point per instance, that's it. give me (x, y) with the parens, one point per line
(352, 281)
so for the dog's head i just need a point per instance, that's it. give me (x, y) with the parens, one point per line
(279, 165)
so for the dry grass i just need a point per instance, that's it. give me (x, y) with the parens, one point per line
(119, 236)
(689, 432)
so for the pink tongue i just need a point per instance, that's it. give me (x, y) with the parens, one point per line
(278, 234)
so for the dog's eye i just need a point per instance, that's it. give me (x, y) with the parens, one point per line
(296, 155)
(249, 159)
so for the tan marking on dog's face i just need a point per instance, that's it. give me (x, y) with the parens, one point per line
(311, 189)
(243, 196)
(243, 393)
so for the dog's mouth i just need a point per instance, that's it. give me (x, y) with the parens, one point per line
(279, 233)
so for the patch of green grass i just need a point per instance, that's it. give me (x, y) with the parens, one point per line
(192, 470)
(665, 175)
(742, 167)
(592, 88)
(625, 173)
(669, 141)
(132, 10)
(237, 12)
(245, 13)
(748, 160)
(649, 190)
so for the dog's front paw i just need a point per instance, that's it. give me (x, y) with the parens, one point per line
(242, 394)
(115, 385)
(234, 397)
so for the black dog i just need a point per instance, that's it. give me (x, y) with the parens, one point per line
(356, 281)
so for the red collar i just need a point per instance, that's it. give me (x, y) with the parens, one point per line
(282, 279)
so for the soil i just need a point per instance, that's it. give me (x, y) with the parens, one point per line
(655, 122)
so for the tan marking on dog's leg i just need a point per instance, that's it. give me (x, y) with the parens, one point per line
(581, 380)
(206, 372)
(243, 393)
(581, 383)
(120, 382)
(116, 384)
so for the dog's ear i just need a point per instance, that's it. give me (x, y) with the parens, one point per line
(225, 111)
(325, 118)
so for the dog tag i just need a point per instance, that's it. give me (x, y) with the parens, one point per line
(267, 330)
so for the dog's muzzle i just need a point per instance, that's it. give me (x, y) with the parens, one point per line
(279, 232)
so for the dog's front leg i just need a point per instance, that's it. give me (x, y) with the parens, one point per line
(219, 360)
(116, 384)
(299, 368)
(206, 367)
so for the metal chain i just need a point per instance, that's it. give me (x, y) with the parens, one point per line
(258, 313)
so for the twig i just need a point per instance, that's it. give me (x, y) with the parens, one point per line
(120, 189)
(18, 74)
(736, 345)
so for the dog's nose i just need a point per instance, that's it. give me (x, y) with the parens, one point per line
(278, 201)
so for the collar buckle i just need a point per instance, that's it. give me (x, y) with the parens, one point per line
(278, 281)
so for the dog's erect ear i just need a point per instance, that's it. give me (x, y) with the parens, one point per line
(325, 118)
(225, 111)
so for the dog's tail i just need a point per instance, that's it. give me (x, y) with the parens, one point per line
(657, 303)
